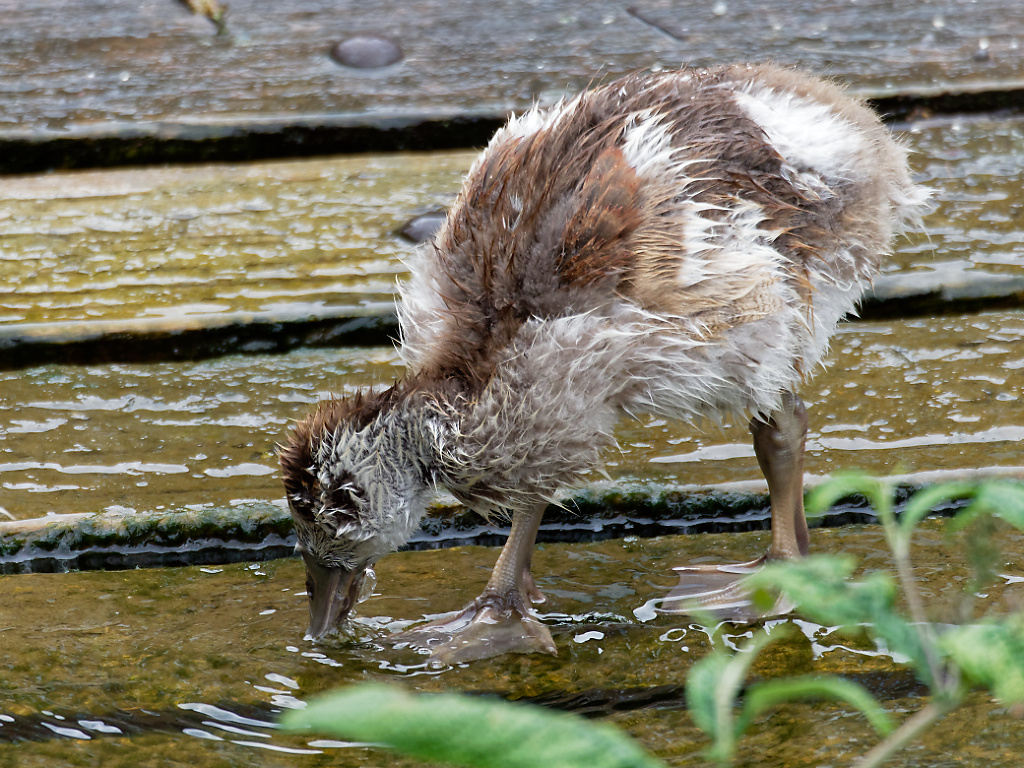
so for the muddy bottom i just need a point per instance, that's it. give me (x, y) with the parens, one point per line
(193, 665)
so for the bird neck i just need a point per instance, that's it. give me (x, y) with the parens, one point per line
(538, 425)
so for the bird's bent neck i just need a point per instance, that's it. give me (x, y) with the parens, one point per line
(519, 440)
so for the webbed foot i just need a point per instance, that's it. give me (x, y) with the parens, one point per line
(492, 625)
(721, 590)
(718, 590)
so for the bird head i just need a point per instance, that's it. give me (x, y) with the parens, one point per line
(357, 489)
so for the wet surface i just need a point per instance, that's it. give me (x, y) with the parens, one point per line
(275, 62)
(897, 397)
(877, 46)
(973, 166)
(181, 247)
(197, 662)
(85, 74)
(177, 244)
(161, 436)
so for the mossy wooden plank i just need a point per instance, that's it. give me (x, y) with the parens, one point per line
(142, 70)
(160, 249)
(901, 396)
(210, 259)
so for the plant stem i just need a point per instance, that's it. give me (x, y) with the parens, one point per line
(924, 628)
(899, 543)
(895, 741)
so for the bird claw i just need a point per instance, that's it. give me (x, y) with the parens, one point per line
(490, 626)
(716, 590)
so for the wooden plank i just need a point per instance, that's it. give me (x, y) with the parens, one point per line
(161, 250)
(148, 69)
(193, 261)
(900, 397)
(971, 254)
(90, 74)
(879, 46)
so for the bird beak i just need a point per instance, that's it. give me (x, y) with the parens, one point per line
(332, 593)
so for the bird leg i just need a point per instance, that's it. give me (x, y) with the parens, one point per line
(720, 590)
(500, 620)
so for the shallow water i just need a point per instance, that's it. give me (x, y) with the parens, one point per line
(194, 664)
(896, 397)
(973, 167)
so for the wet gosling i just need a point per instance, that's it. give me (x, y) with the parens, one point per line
(681, 244)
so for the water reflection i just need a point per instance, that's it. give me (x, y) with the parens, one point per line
(249, 726)
(901, 396)
(817, 633)
(213, 656)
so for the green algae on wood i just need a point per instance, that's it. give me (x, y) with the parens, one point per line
(193, 262)
(256, 531)
(124, 539)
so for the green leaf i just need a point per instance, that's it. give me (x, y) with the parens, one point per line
(841, 485)
(991, 655)
(902, 638)
(1004, 500)
(764, 696)
(823, 591)
(821, 587)
(469, 731)
(713, 686)
(924, 501)
(703, 694)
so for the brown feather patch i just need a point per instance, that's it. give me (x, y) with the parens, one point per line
(596, 243)
(296, 455)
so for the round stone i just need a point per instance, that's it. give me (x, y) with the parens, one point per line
(423, 227)
(365, 52)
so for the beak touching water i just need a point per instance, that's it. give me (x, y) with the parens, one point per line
(332, 593)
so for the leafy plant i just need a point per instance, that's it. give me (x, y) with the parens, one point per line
(715, 682)
(469, 731)
(989, 653)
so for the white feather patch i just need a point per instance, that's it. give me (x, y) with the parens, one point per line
(647, 144)
(731, 249)
(807, 134)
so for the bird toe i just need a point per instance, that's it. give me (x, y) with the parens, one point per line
(490, 626)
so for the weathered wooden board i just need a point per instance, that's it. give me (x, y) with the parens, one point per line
(144, 251)
(972, 251)
(879, 46)
(120, 256)
(144, 69)
(899, 397)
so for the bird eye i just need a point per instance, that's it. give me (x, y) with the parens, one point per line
(301, 505)
(344, 497)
